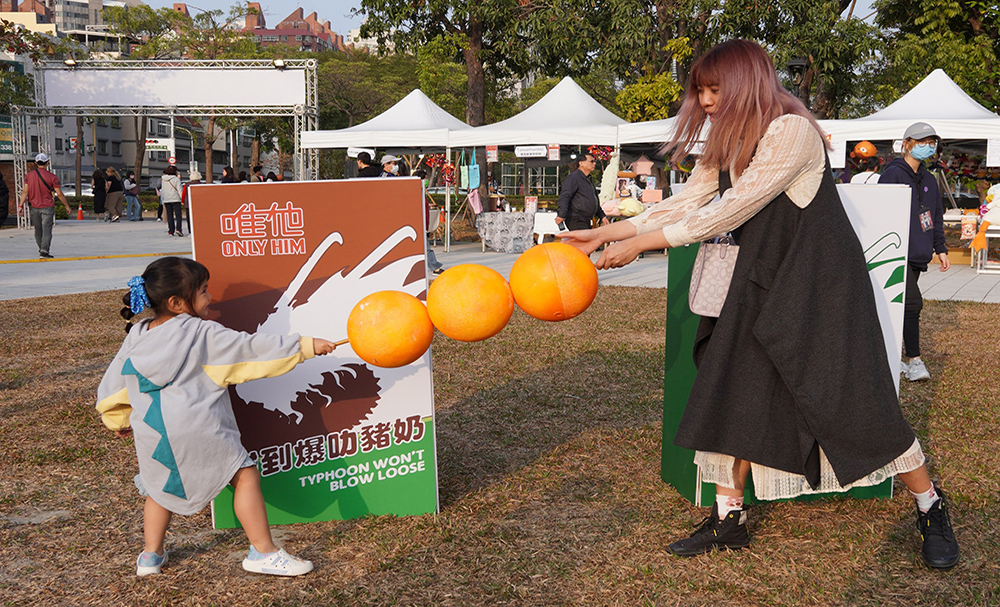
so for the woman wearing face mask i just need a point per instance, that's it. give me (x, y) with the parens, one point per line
(920, 142)
(390, 166)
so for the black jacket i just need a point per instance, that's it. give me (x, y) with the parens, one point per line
(924, 196)
(578, 198)
(371, 170)
(4, 201)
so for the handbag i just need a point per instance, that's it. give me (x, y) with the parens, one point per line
(711, 275)
(463, 173)
(473, 172)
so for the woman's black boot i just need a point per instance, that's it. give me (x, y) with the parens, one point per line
(730, 533)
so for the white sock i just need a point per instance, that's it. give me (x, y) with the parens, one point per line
(727, 504)
(926, 499)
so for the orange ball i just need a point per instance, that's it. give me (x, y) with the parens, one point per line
(470, 302)
(389, 329)
(553, 281)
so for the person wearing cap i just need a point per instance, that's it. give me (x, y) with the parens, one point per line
(390, 165)
(39, 187)
(920, 142)
(867, 163)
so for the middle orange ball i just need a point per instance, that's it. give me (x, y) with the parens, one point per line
(470, 302)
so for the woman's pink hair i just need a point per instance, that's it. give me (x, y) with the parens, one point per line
(750, 97)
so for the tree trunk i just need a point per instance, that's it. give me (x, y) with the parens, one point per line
(141, 131)
(78, 161)
(255, 152)
(234, 153)
(475, 103)
(209, 140)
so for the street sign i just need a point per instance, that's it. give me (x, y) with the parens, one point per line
(160, 145)
(171, 160)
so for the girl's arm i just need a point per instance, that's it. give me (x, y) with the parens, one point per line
(112, 398)
(234, 357)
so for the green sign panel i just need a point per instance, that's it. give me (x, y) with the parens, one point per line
(6, 137)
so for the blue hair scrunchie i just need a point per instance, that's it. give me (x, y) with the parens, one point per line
(138, 300)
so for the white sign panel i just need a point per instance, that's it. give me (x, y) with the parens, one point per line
(993, 152)
(838, 155)
(880, 215)
(531, 151)
(82, 87)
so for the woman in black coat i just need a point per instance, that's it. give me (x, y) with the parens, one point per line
(793, 381)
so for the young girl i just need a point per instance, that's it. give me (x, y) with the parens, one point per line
(793, 382)
(169, 386)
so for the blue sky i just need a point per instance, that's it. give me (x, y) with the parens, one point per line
(337, 12)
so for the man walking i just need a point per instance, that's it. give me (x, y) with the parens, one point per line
(578, 199)
(39, 187)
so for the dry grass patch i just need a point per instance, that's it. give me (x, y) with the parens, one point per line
(549, 447)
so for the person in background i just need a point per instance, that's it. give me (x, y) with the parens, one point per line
(435, 266)
(171, 195)
(100, 188)
(365, 166)
(920, 142)
(4, 201)
(578, 198)
(258, 174)
(131, 189)
(390, 166)
(244, 178)
(866, 162)
(39, 187)
(116, 193)
(228, 175)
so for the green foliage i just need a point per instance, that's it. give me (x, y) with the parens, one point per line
(649, 98)
(440, 77)
(153, 28)
(356, 86)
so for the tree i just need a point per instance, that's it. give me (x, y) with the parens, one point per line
(962, 37)
(356, 86)
(154, 30)
(486, 33)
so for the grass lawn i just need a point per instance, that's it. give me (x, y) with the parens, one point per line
(549, 446)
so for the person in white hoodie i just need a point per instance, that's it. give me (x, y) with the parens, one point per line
(170, 194)
(169, 387)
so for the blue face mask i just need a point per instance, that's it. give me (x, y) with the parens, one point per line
(923, 151)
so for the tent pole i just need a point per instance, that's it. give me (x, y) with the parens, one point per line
(447, 206)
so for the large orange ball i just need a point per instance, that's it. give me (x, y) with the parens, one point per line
(389, 329)
(553, 281)
(470, 302)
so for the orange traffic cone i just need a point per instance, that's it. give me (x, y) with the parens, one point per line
(79, 212)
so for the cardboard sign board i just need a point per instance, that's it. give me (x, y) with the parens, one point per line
(492, 154)
(335, 438)
(880, 217)
(553, 151)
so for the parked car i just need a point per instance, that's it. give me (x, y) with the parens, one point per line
(69, 189)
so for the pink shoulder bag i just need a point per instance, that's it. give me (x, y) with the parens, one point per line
(711, 275)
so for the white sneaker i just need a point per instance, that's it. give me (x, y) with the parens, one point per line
(904, 367)
(917, 371)
(149, 563)
(276, 563)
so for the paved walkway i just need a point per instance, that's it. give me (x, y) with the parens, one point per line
(98, 256)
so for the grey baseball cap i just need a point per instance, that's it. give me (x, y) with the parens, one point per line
(920, 130)
(389, 158)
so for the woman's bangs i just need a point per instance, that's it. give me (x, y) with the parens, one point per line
(706, 72)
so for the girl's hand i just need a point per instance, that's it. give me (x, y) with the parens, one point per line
(322, 346)
(123, 433)
(617, 255)
(587, 241)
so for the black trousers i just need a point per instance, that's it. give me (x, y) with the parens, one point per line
(174, 217)
(912, 306)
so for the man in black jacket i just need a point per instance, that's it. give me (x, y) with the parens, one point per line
(365, 166)
(578, 200)
(920, 142)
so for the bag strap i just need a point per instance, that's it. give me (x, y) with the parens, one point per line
(47, 186)
(474, 156)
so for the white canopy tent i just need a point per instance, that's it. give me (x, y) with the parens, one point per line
(415, 121)
(654, 131)
(936, 100)
(566, 115)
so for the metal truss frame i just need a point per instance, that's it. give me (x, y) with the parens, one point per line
(306, 114)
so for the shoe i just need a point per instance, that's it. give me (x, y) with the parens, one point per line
(439, 271)
(904, 367)
(180, 234)
(940, 548)
(729, 533)
(170, 233)
(149, 563)
(917, 371)
(276, 563)
(115, 218)
(159, 219)
(45, 256)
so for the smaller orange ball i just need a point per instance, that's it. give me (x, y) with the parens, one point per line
(389, 329)
(470, 302)
(553, 281)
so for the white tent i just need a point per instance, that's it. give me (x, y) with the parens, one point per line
(936, 100)
(566, 115)
(414, 122)
(654, 131)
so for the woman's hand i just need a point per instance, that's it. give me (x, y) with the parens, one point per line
(587, 241)
(617, 255)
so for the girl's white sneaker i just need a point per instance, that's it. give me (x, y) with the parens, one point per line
(276, 563)
(149, 563)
